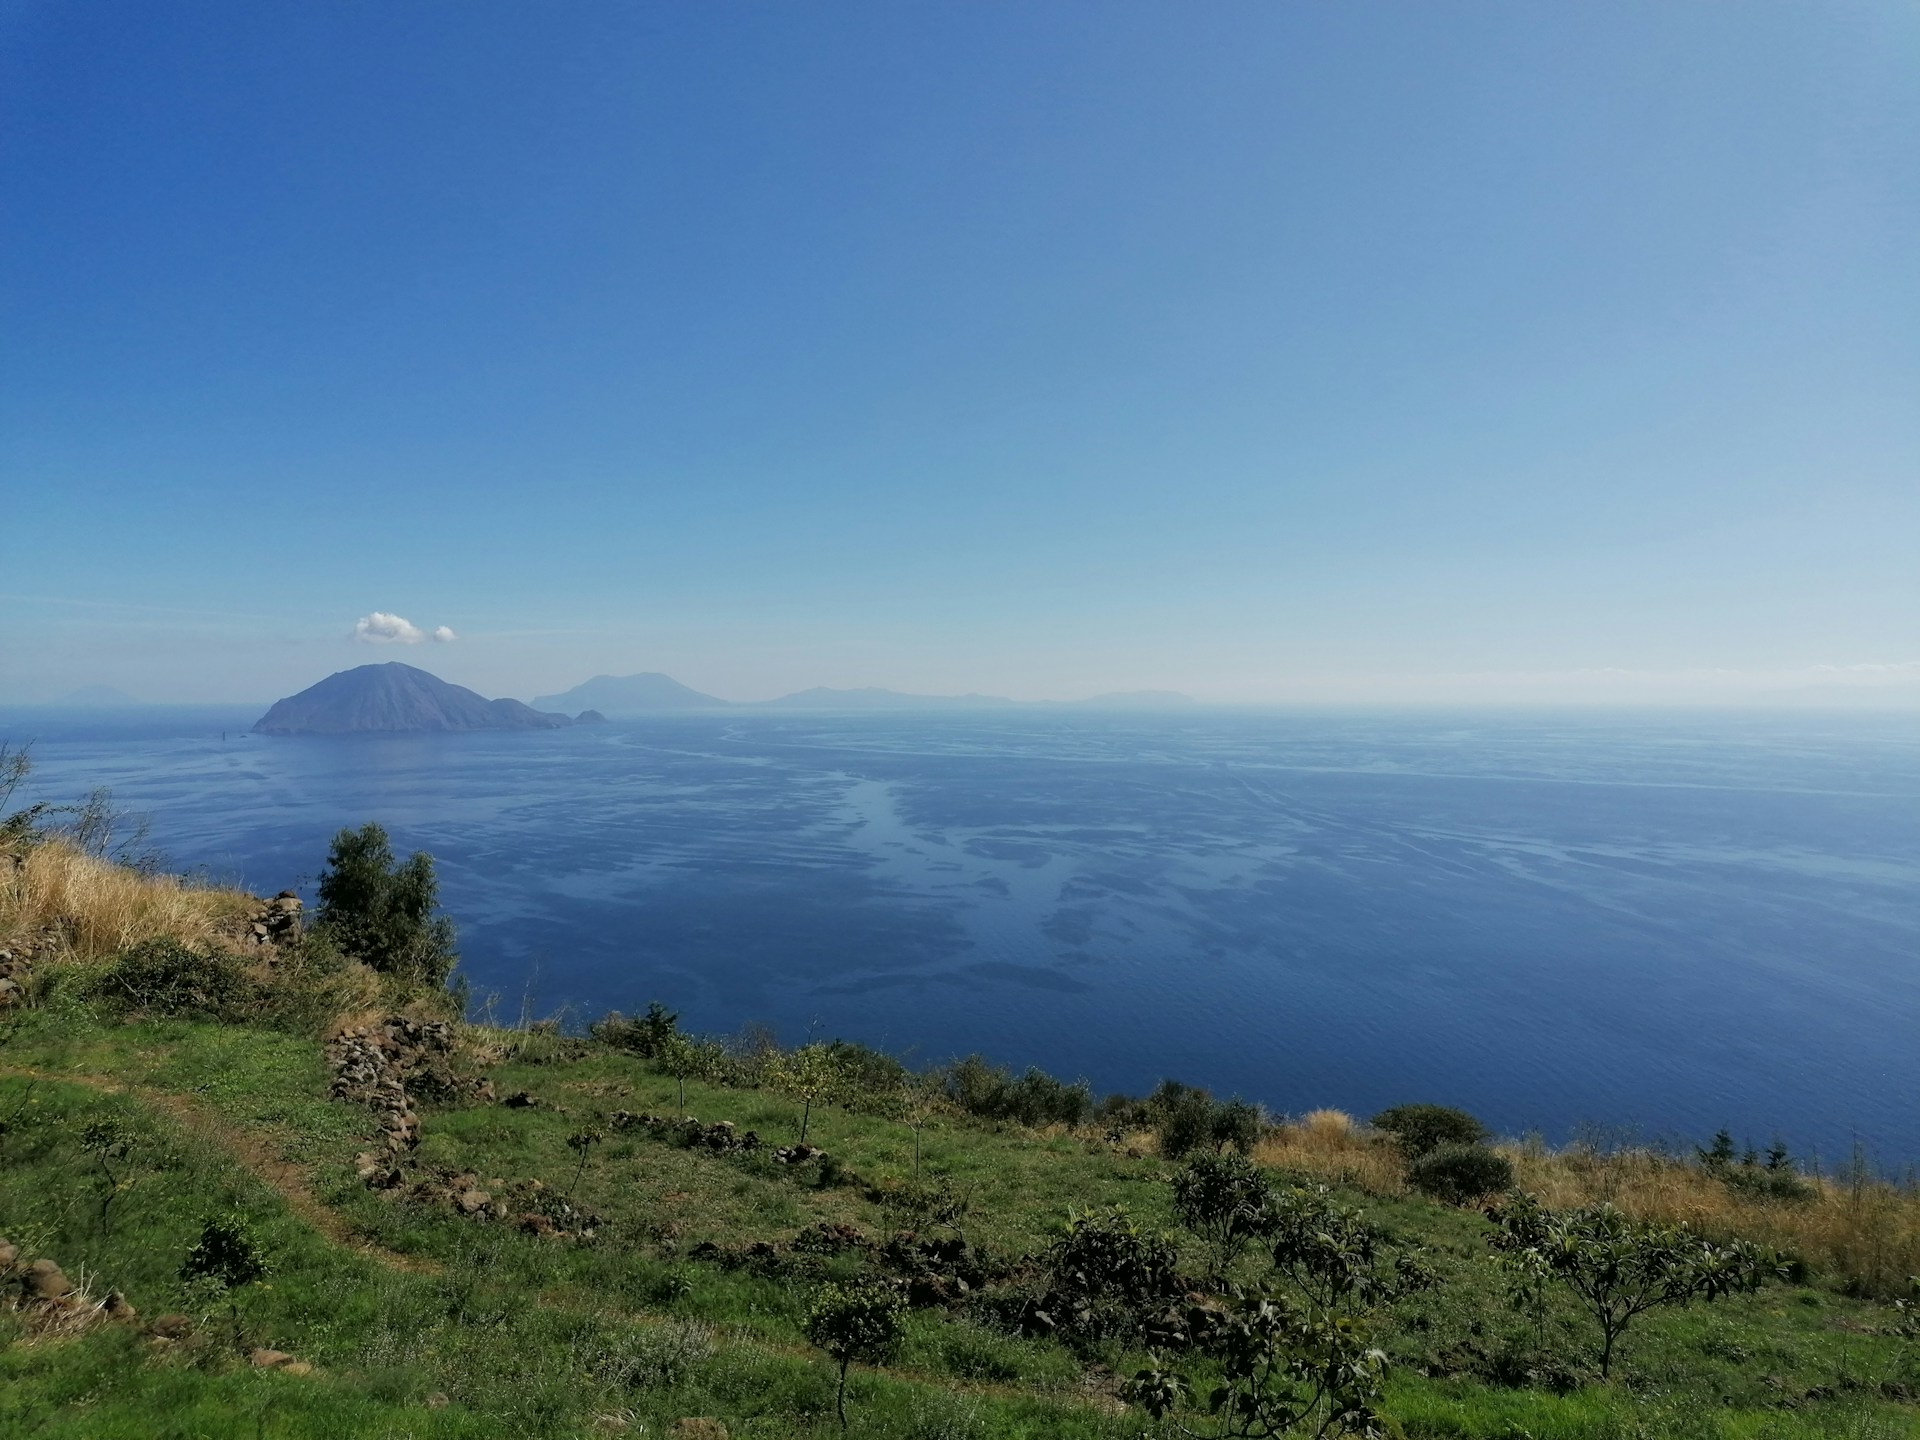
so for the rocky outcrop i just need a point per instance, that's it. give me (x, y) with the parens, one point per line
(277, 922)
(386, 1066)
(51, 1304)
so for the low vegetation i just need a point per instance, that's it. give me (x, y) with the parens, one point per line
(272, 1184)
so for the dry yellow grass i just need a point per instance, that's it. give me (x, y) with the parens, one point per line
(1865, 1230)
(96, 907)
(1328, 1144)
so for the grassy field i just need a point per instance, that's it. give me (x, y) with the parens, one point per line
(675, 1283)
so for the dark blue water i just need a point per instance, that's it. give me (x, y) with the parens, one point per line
(1669, 924)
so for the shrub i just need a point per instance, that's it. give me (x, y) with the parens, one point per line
(645, 1035)
(1458, 1174)
(382, 911)
(1110, 1277)
(1225, 1200)
(992, 1093)
(164, 977)
(1420, 1128)
(1188, 1118)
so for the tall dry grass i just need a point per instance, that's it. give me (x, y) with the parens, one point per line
(96, 907)
(1330, 1146)
(1863, 1230)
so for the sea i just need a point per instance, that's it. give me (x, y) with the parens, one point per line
(1610, 927)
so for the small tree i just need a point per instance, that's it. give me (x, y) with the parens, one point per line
(1619, 1268)
(1110, 1277)
(108, 1142)
(812, 1075)
(1334, 1256)
(581, 1142)
(226, 1257)
(382, 911)
(683, 1057)
(1284, 1369)
(861, 1321)
(1225, 1200)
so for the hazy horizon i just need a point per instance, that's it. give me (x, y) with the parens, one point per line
(1362, 355)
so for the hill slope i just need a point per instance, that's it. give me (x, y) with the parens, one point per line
(396, 698)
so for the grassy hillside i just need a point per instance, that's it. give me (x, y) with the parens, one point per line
(528, 1256)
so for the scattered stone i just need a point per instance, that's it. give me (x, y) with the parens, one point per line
(698, 1428)
(296, 1367)
(264, 1359)
(438, 1400)
(118, 1307)
(520, 1100)
(277, 922)
(170, 1327)
(10, 993)
(536, 1224)
(44, 1280)
(8, 1254)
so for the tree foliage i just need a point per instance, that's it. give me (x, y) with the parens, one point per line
(1225, 1200)
(860, 1321)
(1619, 1268)
(1460, 1174)
(382, 910)
(1284, 1369)
(1418, 1129)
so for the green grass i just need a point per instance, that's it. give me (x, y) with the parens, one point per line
(423, 1323)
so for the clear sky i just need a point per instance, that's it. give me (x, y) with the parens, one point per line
(1268, 352)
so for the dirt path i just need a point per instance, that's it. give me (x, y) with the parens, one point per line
(290, 1180)
(293, 1183)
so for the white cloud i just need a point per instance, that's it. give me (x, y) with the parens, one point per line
(380, 628)
(444, 633)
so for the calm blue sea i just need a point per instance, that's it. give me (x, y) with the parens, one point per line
(1661, 925)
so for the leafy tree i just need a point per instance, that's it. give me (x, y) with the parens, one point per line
(684, 1056)
(860, 1321)
(382, 910)
(1333, 1255)
(1110, 1276)
(813, 1074)
(1188, 1118)
(1284, 1369)
(1619, 1268)
(1459, 1174)
(1226, 1201)
(226, 1257)
(1420, 1128)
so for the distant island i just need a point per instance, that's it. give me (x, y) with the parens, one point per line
(643, 694)
(651, 693)
(396, 698)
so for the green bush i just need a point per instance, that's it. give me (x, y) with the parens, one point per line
(1188, 1118)
(1034, 1099)
(382, 911)
(1420, 1128)
(165, 977)
(1458, 1174)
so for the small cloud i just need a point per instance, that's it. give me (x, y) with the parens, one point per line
(380, 628)
(444, 633)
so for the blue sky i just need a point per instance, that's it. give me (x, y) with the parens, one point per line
(1272, 352)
